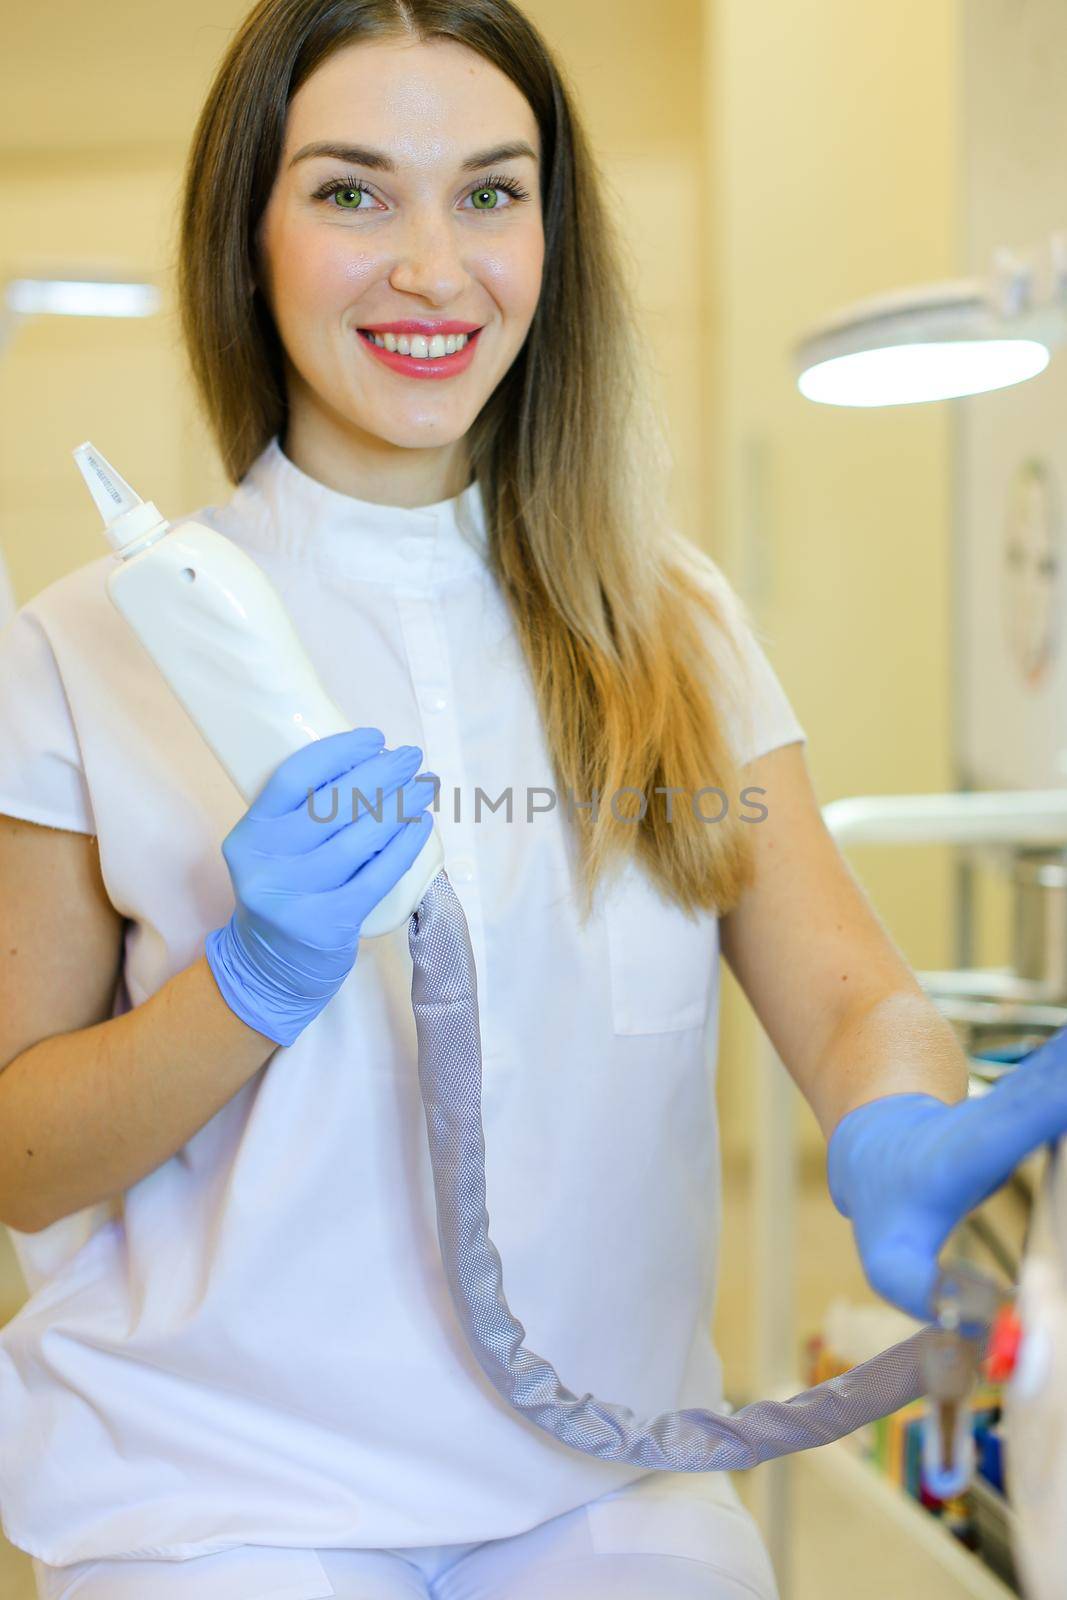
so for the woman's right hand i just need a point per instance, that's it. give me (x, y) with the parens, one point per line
(304, 886)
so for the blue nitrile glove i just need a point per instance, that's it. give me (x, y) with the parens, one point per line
(303, 886)
(906, 1168)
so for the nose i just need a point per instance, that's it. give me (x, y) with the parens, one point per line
(429, 260)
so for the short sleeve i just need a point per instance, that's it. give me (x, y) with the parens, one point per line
(760, 714)
(42, 778)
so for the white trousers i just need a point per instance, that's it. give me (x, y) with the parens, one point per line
(666, 1536)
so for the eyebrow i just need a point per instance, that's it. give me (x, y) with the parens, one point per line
(363, 156)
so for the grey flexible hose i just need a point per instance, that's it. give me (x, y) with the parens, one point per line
(444, 997)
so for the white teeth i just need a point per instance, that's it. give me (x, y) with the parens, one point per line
(420, 347)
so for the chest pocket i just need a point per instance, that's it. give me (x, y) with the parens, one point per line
(662, 960)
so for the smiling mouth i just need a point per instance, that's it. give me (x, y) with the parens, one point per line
(447, 356)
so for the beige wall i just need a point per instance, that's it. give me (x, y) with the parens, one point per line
(832, 176)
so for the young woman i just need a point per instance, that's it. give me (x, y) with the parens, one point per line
(239, 1373)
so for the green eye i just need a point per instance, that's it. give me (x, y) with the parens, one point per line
(346, 194)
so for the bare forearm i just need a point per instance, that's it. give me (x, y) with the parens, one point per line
(84, 1115)
(900, 1044)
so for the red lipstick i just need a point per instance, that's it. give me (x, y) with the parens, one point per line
(421, 367)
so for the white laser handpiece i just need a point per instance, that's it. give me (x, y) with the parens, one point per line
(217, 630)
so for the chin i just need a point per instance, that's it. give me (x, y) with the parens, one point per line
(419, 435)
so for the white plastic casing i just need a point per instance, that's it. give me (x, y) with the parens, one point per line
(219, 633)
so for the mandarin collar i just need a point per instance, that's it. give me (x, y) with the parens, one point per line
(279, 507)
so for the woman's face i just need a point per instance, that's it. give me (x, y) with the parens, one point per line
(432, 235)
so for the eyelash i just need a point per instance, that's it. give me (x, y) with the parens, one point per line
(334, 186)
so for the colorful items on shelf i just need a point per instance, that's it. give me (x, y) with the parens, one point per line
(893, 1444)
(1004, 1340)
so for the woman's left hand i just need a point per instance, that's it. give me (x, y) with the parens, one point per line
(906, 1168)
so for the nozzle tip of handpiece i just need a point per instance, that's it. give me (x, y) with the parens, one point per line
(110, 491)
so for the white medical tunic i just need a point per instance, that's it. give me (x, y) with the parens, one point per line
(255, 1344)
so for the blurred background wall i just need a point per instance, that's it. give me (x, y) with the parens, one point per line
(831, 176)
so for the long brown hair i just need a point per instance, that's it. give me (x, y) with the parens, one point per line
(620, 617)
